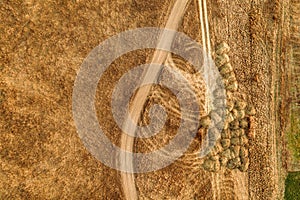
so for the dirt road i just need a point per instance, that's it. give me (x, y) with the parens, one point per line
(159, 57)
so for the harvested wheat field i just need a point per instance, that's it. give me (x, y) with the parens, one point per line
(251, 123)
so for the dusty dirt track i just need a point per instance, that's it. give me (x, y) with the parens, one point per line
(42, 45)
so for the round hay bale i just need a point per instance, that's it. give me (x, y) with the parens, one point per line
(225, 143)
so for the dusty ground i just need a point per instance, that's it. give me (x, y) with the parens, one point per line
(42, 46)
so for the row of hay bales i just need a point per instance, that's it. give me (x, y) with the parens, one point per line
(231, 138)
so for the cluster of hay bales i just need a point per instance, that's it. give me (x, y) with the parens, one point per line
(228, 125)
(232, 146)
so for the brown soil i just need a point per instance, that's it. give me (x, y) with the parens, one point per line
(42, 45)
